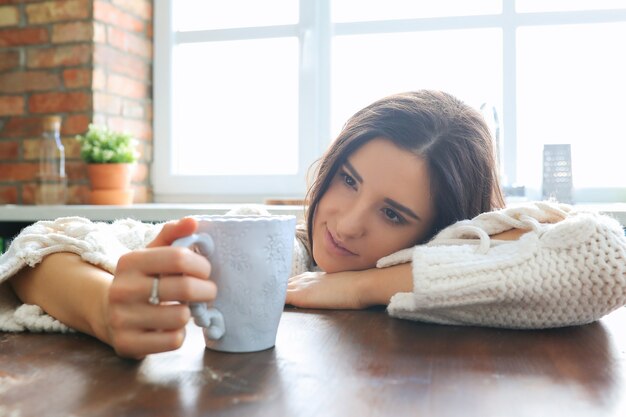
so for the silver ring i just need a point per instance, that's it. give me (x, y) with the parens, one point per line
(154, 292)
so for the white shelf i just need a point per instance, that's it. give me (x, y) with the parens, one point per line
(142, 212)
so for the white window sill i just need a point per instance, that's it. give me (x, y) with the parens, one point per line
(142, 212)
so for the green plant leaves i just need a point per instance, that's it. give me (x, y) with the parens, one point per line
(103, 146)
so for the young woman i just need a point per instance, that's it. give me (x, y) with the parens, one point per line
(404, 169)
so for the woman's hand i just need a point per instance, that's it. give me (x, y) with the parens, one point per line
(322, 290)
(134, 327)
(350, 289)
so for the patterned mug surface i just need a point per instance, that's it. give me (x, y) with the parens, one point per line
(250, 263)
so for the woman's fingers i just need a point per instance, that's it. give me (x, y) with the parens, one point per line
(165, 260)
(183, 289)
(137, 327)
(148, 317)
(174, 230)
(137, 343)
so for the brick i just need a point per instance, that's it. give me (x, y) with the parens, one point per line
(8, 194)
(99, 32)
(9, 60)
(78, 194)
(77, 77)
(25, 81)
(72, 147)
(129, 42)
(30, 149)
(126, 87)
(100, 119)
(23, 36)
(9, 16)
(75, 124)
(59, 102)
(121, 63)
(145, 150)
(107, 103)
(9, 149)
(28, 193)
(140, 129)
(140, 174)
(133, 109)
(60, 56)
(139, 8)
(56, 11)
(99, 80)
(22, 127)
(18, 1)
(21, 171)
(76, 170)
(107, 13)
(72, 32)
(11, 105)
(143, 194)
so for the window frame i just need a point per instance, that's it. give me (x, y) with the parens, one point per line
(315, 31)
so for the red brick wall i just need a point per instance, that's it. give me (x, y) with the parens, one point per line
(89, 61)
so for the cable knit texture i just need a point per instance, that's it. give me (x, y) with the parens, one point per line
(98, 243)
(569, 269)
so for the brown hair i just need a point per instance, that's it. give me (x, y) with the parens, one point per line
(451, 136)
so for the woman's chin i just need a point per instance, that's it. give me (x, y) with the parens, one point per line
(326, 266)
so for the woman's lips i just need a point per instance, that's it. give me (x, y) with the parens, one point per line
(335, 247)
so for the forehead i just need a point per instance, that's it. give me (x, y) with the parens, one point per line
(382, 157)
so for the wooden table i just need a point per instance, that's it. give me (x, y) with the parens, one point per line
(329, 363)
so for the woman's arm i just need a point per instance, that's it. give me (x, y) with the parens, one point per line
(115, 308)
(358, 289)
(566, 270)
(350, 289)
(69, 289)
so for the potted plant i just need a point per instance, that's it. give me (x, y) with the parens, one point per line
(110, 158)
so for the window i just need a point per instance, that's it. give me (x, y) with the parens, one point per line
(249, 94)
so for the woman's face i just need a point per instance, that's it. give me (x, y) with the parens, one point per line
(378, 202)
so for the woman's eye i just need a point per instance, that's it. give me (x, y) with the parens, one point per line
(392, 216)
(348, 180)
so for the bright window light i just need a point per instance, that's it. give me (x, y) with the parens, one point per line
(571, 89)
(235, 108)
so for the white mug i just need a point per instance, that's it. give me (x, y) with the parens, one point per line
(250, 264)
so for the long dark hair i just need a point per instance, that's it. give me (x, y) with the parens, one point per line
(449, 135)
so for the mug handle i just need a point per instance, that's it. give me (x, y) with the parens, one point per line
(209, 318)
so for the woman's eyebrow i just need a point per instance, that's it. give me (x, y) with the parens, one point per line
(402, 208)
(389, 201)
(353, 171)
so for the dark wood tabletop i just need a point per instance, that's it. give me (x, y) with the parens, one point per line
(329, 363)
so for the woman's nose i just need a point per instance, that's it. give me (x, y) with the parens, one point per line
(352, 223)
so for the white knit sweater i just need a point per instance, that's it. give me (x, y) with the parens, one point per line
(98, 243)
(569, 269)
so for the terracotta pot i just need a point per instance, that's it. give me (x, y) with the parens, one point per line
(111, 197)
(110, 176)
(110, 183)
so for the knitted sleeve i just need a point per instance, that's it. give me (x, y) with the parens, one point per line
(98, 243)
(569, 269)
